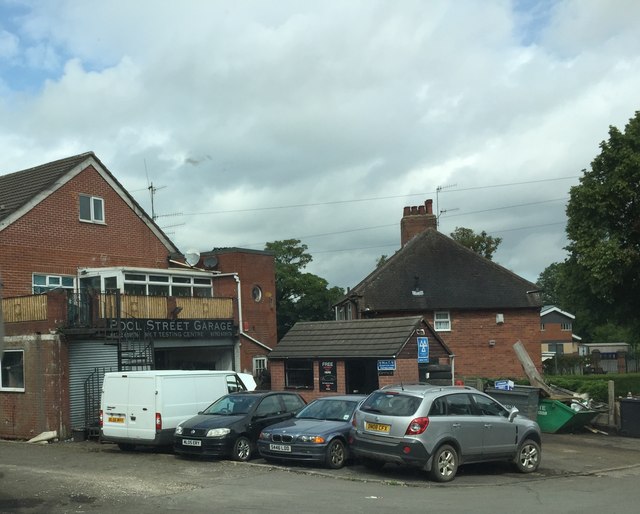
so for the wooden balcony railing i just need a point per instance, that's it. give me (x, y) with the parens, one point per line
(84, 310)
(25, 308)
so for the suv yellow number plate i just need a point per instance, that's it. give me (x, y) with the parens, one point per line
(377, 427)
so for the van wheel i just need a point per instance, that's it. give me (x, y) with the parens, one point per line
(242, 449)
(336, 454)
(528, 457)
(126, 447)
(445, 464)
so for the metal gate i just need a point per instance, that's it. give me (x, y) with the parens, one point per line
(84, 357)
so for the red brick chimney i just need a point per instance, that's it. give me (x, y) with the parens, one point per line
(417, 219)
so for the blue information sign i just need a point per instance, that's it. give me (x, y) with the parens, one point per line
(423, 349)
(387, 365)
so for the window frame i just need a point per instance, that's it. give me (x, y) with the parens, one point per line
(260, 364)
(3, 356)
(436, 321)
(94, 201)
(52, 282)
(303, 373)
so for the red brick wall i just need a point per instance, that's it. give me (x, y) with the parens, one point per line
(469, 339)
(50, 239)
(553, 333)
(38, 409)
(259, 318)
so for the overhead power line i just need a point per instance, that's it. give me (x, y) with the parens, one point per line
(372, 199)
(470, 213)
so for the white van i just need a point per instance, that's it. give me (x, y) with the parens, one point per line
(144, 407)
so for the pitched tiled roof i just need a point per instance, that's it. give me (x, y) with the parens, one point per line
(376, 338)
(20, 188)
(432, 271)
(16, 189)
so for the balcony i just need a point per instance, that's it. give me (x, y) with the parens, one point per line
(85, 313)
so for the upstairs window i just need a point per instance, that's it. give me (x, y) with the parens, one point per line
(441, 321)
(91, 209)
(43, 283)
(12, 370)
(566, 327)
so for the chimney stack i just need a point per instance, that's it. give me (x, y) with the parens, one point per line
(417, 219)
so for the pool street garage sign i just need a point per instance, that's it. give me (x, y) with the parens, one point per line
(141, 328)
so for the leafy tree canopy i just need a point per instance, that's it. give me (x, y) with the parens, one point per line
(300, 296)
(604, 231)
(481, 243)
(381, 261)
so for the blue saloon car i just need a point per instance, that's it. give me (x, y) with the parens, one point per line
(318, 433)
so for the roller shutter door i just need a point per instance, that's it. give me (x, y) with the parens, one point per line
(84, 358)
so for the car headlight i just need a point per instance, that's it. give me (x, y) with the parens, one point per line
(264, 436)
(312, 439)
(179, 429)
(218, 432)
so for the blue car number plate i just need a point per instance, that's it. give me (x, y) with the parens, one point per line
(280, 447)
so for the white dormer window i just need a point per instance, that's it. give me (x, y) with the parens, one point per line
(91, 209)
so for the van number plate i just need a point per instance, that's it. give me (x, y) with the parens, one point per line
(191, 442)
(116, 419)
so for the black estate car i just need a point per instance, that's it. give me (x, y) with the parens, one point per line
(230, 426)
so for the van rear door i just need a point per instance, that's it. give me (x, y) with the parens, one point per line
(141, 417)
(115, 397)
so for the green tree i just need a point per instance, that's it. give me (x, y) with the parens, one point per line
(603, 229)
(549, 282)
(482, 243)
(300, 296)
(381, 261)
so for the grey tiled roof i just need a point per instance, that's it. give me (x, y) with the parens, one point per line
(380, 337)
(449, 275)
(16, 189)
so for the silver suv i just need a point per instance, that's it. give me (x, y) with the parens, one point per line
(440, 428)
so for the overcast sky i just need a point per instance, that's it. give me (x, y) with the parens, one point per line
(320, 120)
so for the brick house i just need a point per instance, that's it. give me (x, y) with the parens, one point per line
(477, 307)
(91, 283)
(321, 358)
(556, 327)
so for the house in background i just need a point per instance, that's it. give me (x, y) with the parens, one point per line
(91, 283)
(355, 356)
(477, 308)
(556, 327)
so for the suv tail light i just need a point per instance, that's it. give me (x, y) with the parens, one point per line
(417, 426)
(158, 421)
(353, 420)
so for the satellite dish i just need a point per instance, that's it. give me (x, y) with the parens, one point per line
(210, 262)
(192, 257)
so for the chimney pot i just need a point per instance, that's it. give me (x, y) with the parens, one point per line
(417, 219)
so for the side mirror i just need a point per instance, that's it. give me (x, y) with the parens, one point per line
(200, 412)
(513, 413)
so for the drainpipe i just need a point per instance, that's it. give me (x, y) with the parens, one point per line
(236, 349)
(452, 358)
